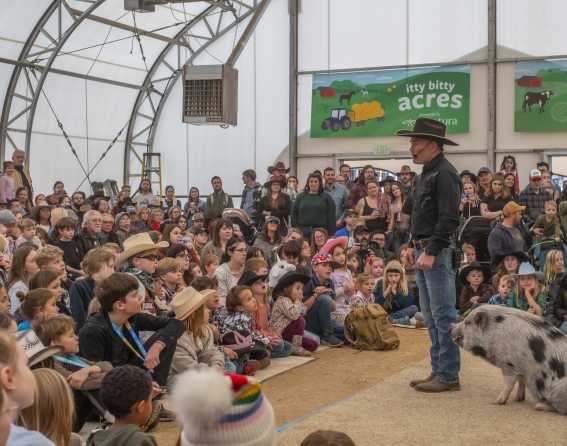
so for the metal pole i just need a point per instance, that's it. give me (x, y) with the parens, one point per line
(492, 67)
(237, 51)
(293, 66)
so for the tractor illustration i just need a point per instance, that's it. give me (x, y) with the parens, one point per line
(337, 120)
(360, 113)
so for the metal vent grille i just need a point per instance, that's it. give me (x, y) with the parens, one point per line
(210, 94)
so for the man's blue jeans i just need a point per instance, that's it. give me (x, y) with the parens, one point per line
(318, 318)
(437, 298)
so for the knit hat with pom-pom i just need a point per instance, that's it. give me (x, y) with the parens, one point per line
(222, 409)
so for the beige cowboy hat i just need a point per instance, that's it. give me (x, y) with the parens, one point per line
(188, 301)
(136, 244)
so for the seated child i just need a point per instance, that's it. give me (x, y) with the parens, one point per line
(469, 254)
(196, 347)
(98, 264)
(169, 278)
(36, 304)
(28, 233)
(505, 285)
(528, 295)
(363, 296)
(216, 315)
(290, 252)
(475, 291)
(547, 225)
(50, 258)
(51, 281)
(279, 347)
(209, 264)
(81, 374)
(393, 294)
(64, 238)
(342, 279)
(127, 393)
(374, 267)
(287, 319)
(240, 306)
(353, 263)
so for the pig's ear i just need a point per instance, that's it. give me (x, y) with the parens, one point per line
(481, 320)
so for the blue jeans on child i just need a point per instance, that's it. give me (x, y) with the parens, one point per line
(318, 318)
(282, 349)
(563, 327)
(437, 298)
(408, 312)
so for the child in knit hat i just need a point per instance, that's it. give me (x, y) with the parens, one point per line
(222, 410)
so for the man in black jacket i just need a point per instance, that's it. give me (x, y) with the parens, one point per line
(434, 210)
(113, 333)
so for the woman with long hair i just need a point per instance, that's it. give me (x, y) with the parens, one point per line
(470, 201)
(313, 208)
(194, 204)
(222, 232)
(510, 184)
(169, 201)
(276, 203)
(23, 267)
(397, 200)
(142, 222)
(359, 190)
(269, 239)
(319, 237)
(553, 269)
(509, 166)
(232, 266)
(374, 208)
(493, 203)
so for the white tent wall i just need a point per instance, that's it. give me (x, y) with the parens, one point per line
(263, 114)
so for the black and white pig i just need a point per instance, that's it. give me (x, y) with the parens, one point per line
(529, 350)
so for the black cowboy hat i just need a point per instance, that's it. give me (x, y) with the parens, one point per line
(429, 129)
(288, 279)
(388, 179)
(248, 278)
(474, 266)
(521, 256)
(278, 165)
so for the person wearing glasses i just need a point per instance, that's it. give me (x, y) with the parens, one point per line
(142, 255)
(495, 200)
(232, 267)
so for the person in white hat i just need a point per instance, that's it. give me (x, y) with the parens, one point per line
(142, 256)
(196, 347)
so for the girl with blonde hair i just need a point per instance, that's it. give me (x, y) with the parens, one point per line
(554, 268)
(52, 410)
(393, 294)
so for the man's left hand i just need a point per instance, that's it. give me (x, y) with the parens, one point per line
(152, 359)
(425, 261)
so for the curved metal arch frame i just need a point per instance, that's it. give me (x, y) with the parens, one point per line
(26, 56)
(159, 89)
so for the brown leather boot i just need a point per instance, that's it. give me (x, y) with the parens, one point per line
(415, 382)
(437, 386)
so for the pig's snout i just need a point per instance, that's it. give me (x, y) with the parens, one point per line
(456, 333)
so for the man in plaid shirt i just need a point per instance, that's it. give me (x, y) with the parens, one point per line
(534, 197)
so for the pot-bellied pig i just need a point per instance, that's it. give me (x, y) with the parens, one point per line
(529, 351)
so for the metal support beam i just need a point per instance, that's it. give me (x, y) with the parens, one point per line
(68, 73)
(28, 80)
(123, 26)
(492, 85)
(293, 90)
(237, 50)
(160, 79)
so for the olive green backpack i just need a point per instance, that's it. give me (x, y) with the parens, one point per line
(368, 328)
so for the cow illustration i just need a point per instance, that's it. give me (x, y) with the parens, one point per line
(364, 92)
(536, 97)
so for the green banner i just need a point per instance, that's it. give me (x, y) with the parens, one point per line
(541, 96)
(378, 103)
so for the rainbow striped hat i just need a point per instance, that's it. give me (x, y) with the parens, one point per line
(222, 409)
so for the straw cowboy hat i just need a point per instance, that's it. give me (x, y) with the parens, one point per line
(137, 244)
(428, 128)
(186, 302)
